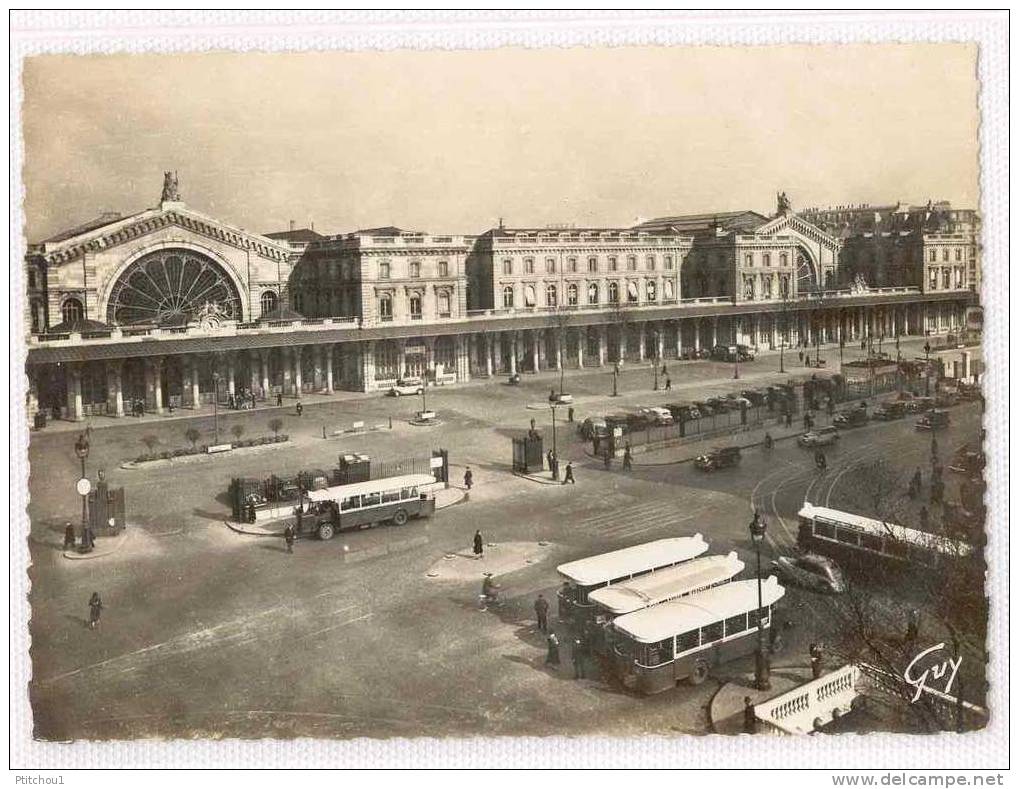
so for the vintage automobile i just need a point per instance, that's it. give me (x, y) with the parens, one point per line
(683, 412)
(746, 353)
(407, 386)
(933, 420)
(821, 437)
(889, 411)
(946, 399)
(593, 426)
(919, 405)
(560, 398)
(718, 458)
(811, 572)
(857, 417)
(656, 415)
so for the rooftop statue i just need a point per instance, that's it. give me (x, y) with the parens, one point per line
(784, 206)
(171, 188)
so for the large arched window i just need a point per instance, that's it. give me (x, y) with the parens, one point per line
(443, 301)
(268, 302)
(632, 294)
(652, 291)
(507, 296)
(592, 293)
(551, 296)
(72, 312)
(668, 290)
(571, 294)
(613, 292)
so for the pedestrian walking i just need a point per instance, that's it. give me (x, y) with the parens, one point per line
(913, 626)
(279, 399)
(801, 357)
(288, 537)
(569, 474)
(749, 716)
(937, 491)
(917, 478)
(627, 459)
(488, 590)
(608, 459)
(788, 418)
(95, 609)
(816, 657)
(300, 408)
(551, 395)
(541, 613)
(550, 459)
(579, 658)
(88, 539)
(479, 545)
(668, 383)
(468, 478)
(552, 657)
(69, 536)
(665, 370)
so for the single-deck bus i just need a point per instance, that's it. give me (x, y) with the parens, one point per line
(851, 538)
(364, 504)
(659, 646)
(585, 575)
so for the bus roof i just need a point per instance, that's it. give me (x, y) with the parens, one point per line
(636, 559)
(935, 542)
(372, 486)
(659, 622)
(657, 587)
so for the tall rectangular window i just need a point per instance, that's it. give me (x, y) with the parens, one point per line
(651, 263)
(572, 265)
(507, 267)
(668, 262)
(592, 264)
(631, 263)
(550, 265)
(384, 270)
(528, 265)
(613, 264)
(415, 269)
(443, 268)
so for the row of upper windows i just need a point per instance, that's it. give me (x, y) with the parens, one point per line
(946, 278)
(594, 292)
(413, 269)
(572, 264)
(932, 256)
(442, 305)
(750, 257)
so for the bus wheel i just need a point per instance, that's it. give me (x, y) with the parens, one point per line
(400, 517)
(325, 531)
(699, 673)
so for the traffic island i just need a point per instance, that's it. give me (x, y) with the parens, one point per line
(497, 559)
(104, 546)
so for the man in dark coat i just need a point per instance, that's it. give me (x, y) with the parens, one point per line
(749, 716)
(788, 418)
(288, 537)
(300, 408)
(95, 609)
(668, 384)
(569, 474)
(479, 545)
(579, 658)
(541, 612)
(279, 398)
(816, 656)
(552, 657)
(69, 536)
(627, 458)
(468, 478)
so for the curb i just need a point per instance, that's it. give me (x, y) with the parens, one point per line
(241, 530)
(538, 480)
(131, 465)
(75, 556)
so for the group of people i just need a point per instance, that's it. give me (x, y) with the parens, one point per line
(88, 538)
(243, 400)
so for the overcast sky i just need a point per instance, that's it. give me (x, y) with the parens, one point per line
(451, 141)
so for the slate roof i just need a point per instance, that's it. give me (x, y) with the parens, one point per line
(701, 224)
(106, 218)
(302, 236)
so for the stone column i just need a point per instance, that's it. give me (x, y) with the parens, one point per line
(367, 366)
(641, 342)
(287, 362)
(75, 407)
(581, 335)
(696, 334)
(534, 350)
(603, 344)
(513, 353)
(660, 343)
(150, 383)
(155, 371)
(114, 389)
(463, 359)
(298, 370)
(558, 340)
(231, 374)
(264, 365)
(489, 341)
(623, 340)
(774, 333)
(196, 391)
(679, 339)
(497, 351)
(327, 363)
(401, 358)
(714, 332)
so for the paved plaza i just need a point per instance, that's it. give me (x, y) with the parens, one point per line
(209, 632)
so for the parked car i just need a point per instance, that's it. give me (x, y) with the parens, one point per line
(560, 398)
(691, 354)
(657, 415)
(946, 399)
(821, 437)
(717, 404)
(933, 420)
(755, 396)
(724, 353)
(895, 409)
(407, 386)
(857, 417)
(746, 353)
(593, 426)
(811, 572)
(735, 400)
(718, 458)
(705, 408)
(683, 412)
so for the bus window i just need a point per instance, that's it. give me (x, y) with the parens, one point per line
(390, 495)
(659, 653)
(735, 624)
(872, 542)
(688, 640)
(847, 536)
(370, 499)
(350, 503)
(712, 632)
(826, 530)
(406, 494)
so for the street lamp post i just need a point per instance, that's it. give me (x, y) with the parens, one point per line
(762, 670)
(555, 448)
(927, 368)
(81, 449)
(615, 378)
(735, 369)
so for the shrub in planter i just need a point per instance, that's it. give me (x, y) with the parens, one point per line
(204, 449)
(283, 437)
(166, 454)
(181, 452)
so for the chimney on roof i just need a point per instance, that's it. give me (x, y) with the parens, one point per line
(293, 225)
(313, 226)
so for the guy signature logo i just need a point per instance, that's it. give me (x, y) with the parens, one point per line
(918, 680)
